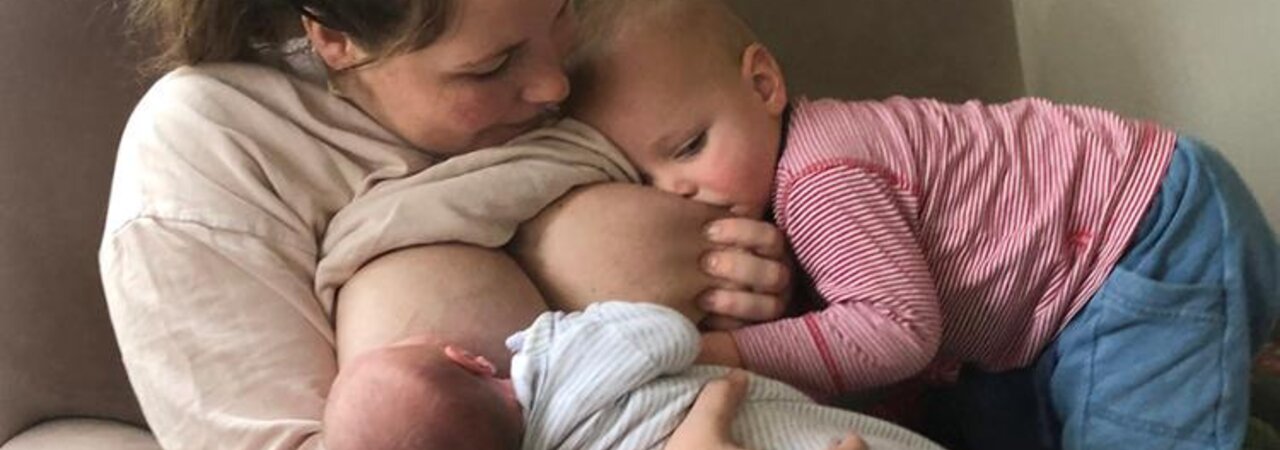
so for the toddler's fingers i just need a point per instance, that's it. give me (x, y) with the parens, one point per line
(760, 237)
(742, 305)
(850, 442)
(758, 273)
(716, 322)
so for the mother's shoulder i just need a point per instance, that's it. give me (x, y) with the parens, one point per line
(225, 82)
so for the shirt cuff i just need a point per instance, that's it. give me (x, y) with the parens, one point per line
(786, 350)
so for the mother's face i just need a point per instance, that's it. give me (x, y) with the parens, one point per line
(497, 71)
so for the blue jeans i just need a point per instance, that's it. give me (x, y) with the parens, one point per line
(1160, 356)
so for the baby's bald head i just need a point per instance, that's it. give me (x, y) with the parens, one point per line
(411, 396)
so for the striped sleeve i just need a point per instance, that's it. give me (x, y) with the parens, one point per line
(853, 232)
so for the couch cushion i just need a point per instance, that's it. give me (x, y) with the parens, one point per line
(83, 434)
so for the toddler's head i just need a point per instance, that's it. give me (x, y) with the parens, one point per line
(683, 88)
(420, 394)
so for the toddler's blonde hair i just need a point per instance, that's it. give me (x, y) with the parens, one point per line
(711, 23)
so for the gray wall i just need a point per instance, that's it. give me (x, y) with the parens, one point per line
(1208, 67)
(955, 50)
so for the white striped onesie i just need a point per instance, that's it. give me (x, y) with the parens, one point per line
(621, 376)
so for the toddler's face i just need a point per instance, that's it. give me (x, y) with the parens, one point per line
(695, 124)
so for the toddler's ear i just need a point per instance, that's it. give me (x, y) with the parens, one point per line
(762, 71)
(470, 361)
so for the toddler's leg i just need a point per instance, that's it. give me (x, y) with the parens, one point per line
(1159, 358)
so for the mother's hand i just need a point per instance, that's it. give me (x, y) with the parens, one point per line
(752, 271)
(708, 424)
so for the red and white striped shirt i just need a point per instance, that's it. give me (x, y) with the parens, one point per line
(940, 233)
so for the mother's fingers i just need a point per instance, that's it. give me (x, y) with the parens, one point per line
(707, 425)
(717, 405)
(850, 442)
(760, 237)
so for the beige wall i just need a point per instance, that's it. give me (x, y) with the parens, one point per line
(1207, 67)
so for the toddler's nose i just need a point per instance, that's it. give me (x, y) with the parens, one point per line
(679, 187)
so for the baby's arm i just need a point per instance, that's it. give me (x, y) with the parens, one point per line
(569, 367)
(618, 242)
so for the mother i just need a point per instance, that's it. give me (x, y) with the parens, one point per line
(275, 115)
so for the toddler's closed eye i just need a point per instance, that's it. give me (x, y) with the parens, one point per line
(691, 148)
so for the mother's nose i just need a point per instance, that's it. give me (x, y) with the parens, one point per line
(547, 84)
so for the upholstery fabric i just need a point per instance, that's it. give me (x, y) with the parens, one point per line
(66, 88)
(83, 434)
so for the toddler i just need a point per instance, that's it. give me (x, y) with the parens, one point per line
(614, 376)
(1128, 265)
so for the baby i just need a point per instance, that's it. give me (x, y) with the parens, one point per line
(616, 376)
(1128, 265)
(421, 393)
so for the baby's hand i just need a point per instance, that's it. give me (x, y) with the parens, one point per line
(751, 266)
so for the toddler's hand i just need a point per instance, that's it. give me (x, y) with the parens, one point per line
(752, 269)
(718, 348)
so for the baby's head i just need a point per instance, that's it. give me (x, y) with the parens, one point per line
(421, 394)
(683, 88)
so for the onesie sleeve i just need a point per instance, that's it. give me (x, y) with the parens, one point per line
(569, 365)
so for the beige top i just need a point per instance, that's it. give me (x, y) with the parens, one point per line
(243, 198)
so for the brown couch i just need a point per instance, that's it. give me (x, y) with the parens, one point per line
(65, 91)
(67, 87)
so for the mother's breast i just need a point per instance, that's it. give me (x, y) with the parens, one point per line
(618, 242)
